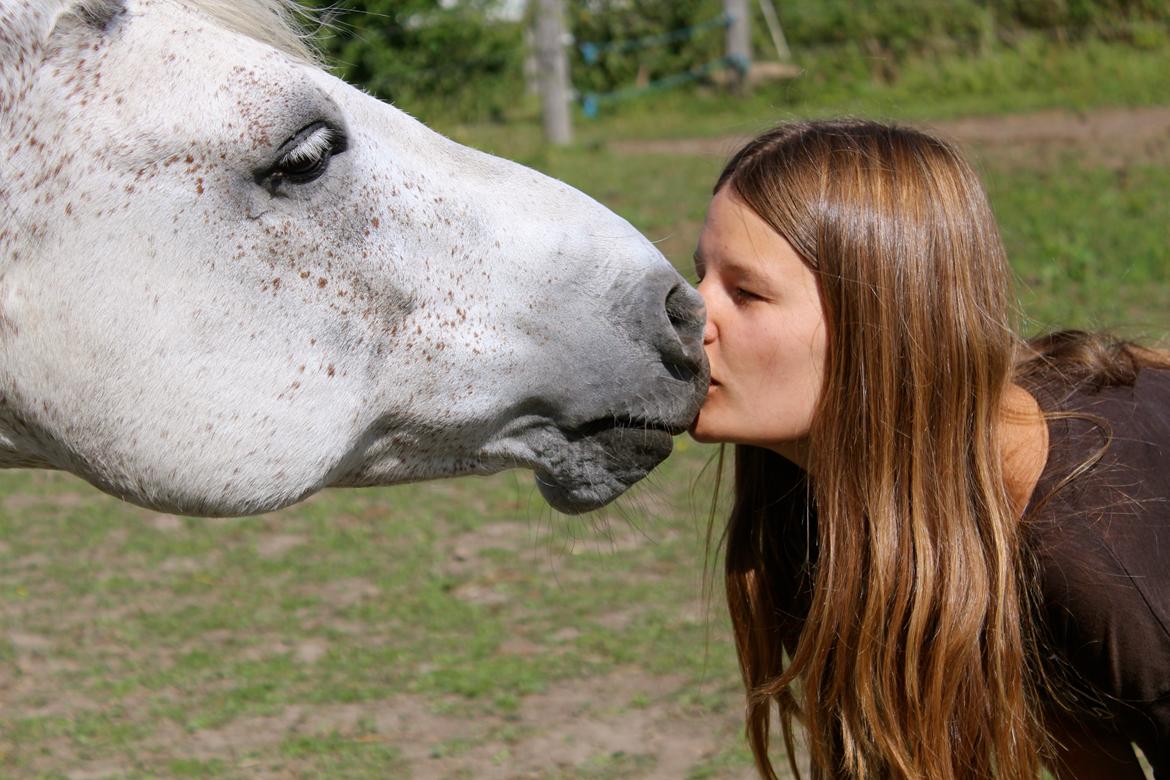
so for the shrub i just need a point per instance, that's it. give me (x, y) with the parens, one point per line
(456, 62)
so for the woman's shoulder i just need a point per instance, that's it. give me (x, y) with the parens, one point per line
(1140, 407)
(1109, 456)
(1153, 384)
(1102, 541)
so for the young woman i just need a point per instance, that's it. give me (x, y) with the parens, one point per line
(949, 550)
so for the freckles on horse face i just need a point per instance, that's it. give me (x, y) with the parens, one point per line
(330, 293)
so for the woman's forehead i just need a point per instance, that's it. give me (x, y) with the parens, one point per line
(735, 238)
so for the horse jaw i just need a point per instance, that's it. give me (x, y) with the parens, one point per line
(190, 335)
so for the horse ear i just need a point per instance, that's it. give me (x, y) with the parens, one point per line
(26, 27)
(99, 14)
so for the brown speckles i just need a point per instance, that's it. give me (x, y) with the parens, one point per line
(323, 262)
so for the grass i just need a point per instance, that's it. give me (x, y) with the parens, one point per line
(461, 629)
(181, 646)
(1090, 245)
(1037, 74)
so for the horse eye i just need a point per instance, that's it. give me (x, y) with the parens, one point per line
(308, 155)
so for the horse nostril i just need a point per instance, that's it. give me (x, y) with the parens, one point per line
(685, 311)
(669, 317)
(683, 355)
(679, 371)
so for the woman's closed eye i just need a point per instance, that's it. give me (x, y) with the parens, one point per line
(744, 295)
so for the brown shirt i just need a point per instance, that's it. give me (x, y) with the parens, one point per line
(1102, 545)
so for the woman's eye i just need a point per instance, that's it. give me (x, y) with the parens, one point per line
(308, 156)
(745, 295)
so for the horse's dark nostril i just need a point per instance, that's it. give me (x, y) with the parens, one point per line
(679, 372)
(669, 316)
(684, 309)
(682, 352)
(678, 315)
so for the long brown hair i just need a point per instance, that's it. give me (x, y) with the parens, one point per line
(899, 634)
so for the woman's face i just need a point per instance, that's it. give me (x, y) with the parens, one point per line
(765, 333)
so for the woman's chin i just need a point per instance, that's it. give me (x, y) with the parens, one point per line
(701, 432)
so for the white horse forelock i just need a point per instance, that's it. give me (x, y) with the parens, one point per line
(277, 23)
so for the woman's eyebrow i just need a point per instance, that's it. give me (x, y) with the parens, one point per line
(731, 268)
(744, 273)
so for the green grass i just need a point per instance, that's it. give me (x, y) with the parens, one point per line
(162, 631)
(1037, 74)
(1091, 245)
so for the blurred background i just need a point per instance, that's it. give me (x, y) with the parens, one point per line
(1062, 104)
(460, 629)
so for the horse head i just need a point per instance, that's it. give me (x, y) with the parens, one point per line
(228, 279)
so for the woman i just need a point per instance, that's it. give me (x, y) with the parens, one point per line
(949, 550)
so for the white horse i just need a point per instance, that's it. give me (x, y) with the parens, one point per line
(228, 279)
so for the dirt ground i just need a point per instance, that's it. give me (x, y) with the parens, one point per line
(1113, 138)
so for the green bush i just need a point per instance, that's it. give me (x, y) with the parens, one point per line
(460, 63)
(849, 40)
(437, 62)
(616, 26)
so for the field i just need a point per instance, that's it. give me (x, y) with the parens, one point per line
(461, 629)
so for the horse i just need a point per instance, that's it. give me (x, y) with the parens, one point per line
(228, 279)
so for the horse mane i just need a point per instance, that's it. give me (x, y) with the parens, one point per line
(278, 23)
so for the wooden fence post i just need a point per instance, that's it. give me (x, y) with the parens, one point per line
(554, 71)
(739, 36)
(776, 31)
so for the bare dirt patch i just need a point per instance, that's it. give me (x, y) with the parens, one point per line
(1114, 138)
(575, 724)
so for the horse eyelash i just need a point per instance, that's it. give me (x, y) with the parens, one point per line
(316, 146)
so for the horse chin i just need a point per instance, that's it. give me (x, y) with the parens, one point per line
(593, 469)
